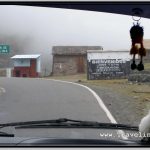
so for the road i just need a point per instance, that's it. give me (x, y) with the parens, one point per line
(24, 99)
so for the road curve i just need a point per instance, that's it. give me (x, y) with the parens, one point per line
(27, 99)
(35, 99)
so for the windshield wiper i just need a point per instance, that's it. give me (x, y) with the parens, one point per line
(4, 134)
(68, 123)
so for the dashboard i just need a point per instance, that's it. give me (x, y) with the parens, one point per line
(20, 141)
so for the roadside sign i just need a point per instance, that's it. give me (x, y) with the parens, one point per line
(108, 64)
(4, 49)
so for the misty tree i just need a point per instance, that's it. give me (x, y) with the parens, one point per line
(18, 45)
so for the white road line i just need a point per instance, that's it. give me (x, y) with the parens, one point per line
(2, 90)
(102, 105)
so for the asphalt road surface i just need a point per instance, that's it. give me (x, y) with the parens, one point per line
(24, 99)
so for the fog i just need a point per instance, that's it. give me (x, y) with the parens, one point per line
(35, 30)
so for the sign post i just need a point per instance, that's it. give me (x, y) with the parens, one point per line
(4, 49)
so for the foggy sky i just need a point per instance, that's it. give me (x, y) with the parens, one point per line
(42, 28)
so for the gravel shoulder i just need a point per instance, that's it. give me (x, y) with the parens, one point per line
(124, 109)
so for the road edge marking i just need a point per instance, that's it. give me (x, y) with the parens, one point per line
(100, 102)
(2, 90)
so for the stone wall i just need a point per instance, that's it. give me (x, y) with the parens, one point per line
(141, 77)
(147, 57)
(67, 65)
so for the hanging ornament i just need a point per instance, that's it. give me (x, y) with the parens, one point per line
(136, 34)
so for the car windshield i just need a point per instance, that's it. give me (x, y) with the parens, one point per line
(74, 64)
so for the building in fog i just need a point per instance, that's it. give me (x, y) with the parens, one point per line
(68, 60)
(26, 65)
